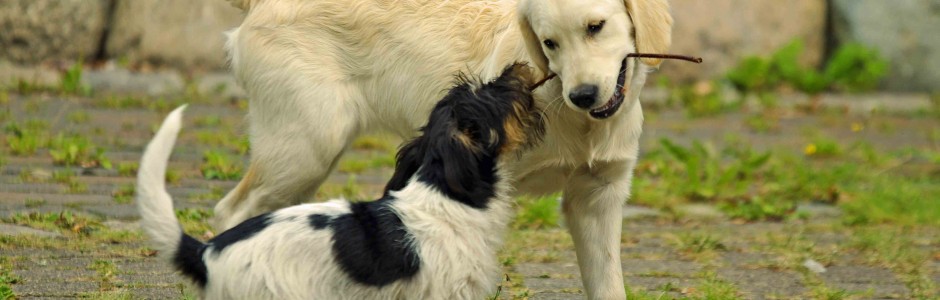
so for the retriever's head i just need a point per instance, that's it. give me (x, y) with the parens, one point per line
(586, 44)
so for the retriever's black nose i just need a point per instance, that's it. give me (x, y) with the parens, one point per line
(584, 95)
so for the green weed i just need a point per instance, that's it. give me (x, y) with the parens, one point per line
(352, 165)
(75, 150)
(208, 121)
(124, 194)
(78, 117)
(195, 221)
(537, 213)
(714, 288)
(127, 168)
(7, 278)
(72, 81)
(852, 68)
(121, 102)
(699, 242)
(706, 176)
(24, 140)
(220, 166)
(64, 221)
(374, 142)
(34, 202)
(758, 209)
(855, 67)
(823, 148)
(67, 178)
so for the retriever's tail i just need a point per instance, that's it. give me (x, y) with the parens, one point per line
(156, 206)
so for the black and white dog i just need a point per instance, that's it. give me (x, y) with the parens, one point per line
(433, 235)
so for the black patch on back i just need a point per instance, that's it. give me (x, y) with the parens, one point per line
(319, 221)
(188, 260)
(240, 232)
(372, 245)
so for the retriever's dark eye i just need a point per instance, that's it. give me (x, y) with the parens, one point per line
(594, 28)
(550, 44)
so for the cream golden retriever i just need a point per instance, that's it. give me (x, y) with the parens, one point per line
(321, 72)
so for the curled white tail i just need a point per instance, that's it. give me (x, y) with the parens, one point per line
(153, 201)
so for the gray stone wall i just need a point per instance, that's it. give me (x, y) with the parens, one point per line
(188, 34)
(906, 32)
(33, 31)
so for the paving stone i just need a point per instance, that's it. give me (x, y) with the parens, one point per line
(874, 290)
(150, 279)
(882, 282)
(655, 283)
(535, 270)
(703, 211)
(761, 283)
(14, 230)
(555, 296)
(553, 284)
(113, 210)
(746, 260)
(157, 293)
(57, 289)
(633, 212)
(122, 81)
(679, 268)
(816, 210)
(859, 274)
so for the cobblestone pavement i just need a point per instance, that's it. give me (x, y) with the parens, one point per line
(661, 256)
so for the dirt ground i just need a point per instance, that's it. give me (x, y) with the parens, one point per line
(663, 257)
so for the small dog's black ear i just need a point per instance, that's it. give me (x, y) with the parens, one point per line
(407, 163)
(518, 71)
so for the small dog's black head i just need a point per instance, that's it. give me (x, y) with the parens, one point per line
(468, 132)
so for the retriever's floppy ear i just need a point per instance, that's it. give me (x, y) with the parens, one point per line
(653, 25)
(531, 40)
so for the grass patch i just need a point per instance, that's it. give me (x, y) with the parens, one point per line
(767, 185)
(355, 166)
(124, 194)
(350, 190)
(224, 138)
(7, 278)
(76, 150)
(106, 271)
(63, 222)
(25, 139)
(67, 177)
(374, 143)
(895, 249)
(78, 117)
(208, 121)
(537, 213)
(217, 165)
(195, 221)
(71, 82)
(127, 169)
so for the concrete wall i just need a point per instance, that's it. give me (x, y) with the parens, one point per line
(188, 34)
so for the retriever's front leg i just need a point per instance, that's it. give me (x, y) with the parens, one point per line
(593, 204)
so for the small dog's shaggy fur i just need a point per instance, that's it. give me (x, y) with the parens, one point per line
(433, 235)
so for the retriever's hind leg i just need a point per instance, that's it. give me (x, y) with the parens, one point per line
(296, 140)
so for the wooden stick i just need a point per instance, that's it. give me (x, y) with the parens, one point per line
(697, 60)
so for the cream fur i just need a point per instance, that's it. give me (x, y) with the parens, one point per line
(321, 72)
